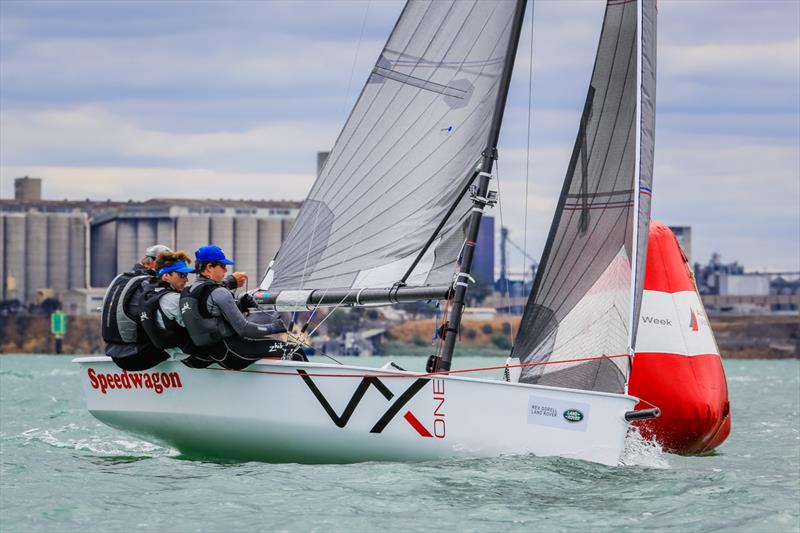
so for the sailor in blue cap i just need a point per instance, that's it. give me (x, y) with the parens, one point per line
(159, 313)
(214, 320)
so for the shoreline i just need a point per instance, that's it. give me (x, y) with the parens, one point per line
(738, 337)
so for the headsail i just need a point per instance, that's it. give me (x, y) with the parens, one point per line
(586, 297)
(405, 155)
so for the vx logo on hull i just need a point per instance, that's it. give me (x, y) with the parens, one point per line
(398, 404)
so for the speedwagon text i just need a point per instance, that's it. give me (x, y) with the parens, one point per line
(155, 381)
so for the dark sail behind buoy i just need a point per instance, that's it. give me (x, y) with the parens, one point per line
(587, 293)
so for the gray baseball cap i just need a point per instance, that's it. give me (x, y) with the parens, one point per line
(154, 250)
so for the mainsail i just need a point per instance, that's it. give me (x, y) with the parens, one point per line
(405, 156)
(587, 293)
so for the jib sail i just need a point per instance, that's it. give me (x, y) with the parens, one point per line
(587, 293)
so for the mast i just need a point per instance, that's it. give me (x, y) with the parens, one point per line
(480, 198)
(633, 321)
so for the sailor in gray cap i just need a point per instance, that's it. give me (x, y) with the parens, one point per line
(126, 342)
(148, 262)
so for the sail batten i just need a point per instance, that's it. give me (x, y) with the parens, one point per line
(404, 156)
(584, 305)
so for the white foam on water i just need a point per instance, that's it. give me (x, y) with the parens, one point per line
(94, 444)
(62, 372)
(640, 451)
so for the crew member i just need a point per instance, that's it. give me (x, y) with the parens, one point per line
(160, 314)
(126, 342)
(148, 262)
(211, 313)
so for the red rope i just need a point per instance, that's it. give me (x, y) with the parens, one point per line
(426, 374)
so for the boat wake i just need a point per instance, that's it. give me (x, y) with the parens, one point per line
(65, 438)
(640, 451)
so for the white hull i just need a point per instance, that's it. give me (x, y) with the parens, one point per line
(272, 413)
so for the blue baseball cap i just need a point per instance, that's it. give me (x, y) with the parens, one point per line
(180, 266)
(211, 253)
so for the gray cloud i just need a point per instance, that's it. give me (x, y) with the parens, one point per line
(241, 94)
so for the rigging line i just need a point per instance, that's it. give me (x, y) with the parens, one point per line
(598, 129)
(554, 253)
(344, 108)
(328, 286)
(423, 111)
(399, 180)
(308, 253)
(550, 257)
(488, 94)
(415, 374)
(378, 92)
(334, 156)
(528, 151)
(420, 115)
(355, 58)
(413, 100)
(555, 290)
(455, 32)
(507, 292)
(434, 200)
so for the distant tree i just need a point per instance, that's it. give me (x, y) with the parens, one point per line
(50, 305)
(343, 320)
(487, 329)
(419, 341)
(501, 341)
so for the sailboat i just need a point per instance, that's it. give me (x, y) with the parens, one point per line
(394, 217)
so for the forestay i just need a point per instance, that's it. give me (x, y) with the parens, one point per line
(405, 155)
(586, 296)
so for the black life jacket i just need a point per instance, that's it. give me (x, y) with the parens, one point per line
(120, 321)
(202, 326)
(174, 335)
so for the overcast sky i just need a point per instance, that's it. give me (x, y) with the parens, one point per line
(233, 99)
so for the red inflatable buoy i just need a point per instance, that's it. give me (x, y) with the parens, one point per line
(677, 366)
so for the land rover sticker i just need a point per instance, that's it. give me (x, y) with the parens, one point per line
(572, 416)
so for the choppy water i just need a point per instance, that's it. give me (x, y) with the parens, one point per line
(63, 471)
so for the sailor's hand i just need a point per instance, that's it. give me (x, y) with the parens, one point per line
(246, 302)
(241, 278)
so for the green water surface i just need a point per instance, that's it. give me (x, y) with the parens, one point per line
(62, 470)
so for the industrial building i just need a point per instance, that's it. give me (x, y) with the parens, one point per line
(62, 249)
(684, 236)
(250, 232)
(71, 250)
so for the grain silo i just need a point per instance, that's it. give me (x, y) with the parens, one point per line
(104, 253)
(58, 252)
(191, 232)
(165, 232)
(222, 234)
(146, 235)
(246, 248)
(15, 257)
(35, 253)
(128, 252)
(78, 256)
(269, 240)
